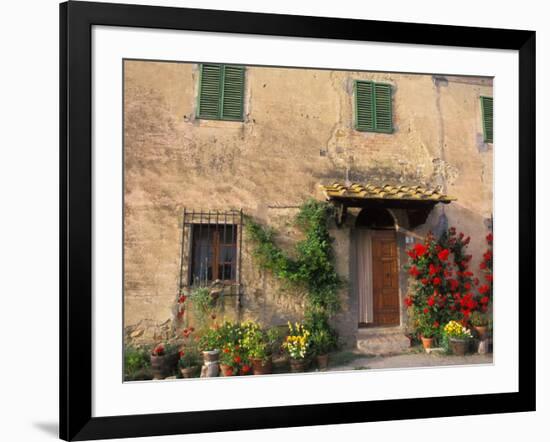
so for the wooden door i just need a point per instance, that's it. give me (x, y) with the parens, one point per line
(385, 285)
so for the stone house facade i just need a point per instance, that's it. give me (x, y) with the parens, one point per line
(397, 154)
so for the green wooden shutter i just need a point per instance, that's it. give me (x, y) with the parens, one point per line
(373, 107)
(383, 108)
(210, 91)
(487, 117)
(364, 106)
(233, 93)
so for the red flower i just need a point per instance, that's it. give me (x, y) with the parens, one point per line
(424, 281)
(420, 249)
(489, 238)
(229, 371)
(467, 286)
(483, 289)
(443, 255)
(181, 353)
(488, 255)
(431, 301)
(245, 369)
(226, 350)
(237, 359)
(489, 278)
(436, 281)
(408, 301)
(454, 284)
(426, 310)
(411, 253)
(413, 271)
(158, 350)
(436, 324)
(483, 265)
(432, 270)
(182, 299)
(484, 300)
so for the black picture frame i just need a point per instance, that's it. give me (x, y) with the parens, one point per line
(76, 21)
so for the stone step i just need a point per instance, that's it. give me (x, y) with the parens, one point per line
(382, 341)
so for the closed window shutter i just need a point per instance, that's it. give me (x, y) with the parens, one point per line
(383, 108)
(364, 106)
(210, 91)
(233, 93)
(487, 116)
(373, 107)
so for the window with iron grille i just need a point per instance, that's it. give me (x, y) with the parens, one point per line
(221, 92)
(211, 247)
(373, 107)
(487, 118)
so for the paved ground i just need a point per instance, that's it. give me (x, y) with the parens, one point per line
(351, 361)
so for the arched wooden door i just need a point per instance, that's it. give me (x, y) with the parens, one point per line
(385, 279)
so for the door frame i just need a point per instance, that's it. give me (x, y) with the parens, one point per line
(358, 230)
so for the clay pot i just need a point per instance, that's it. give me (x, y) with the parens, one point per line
(211, 355)
(458, 346)
(427, 342)
(189, 372)
(163, 366)
(298, 365)
(322, 361)
(262, 366)
(227, 370)
(482, 331)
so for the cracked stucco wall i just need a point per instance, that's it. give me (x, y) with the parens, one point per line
(298, 132)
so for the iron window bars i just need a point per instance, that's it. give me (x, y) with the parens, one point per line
(211, 249)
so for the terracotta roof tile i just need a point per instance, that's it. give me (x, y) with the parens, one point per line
(386, 191)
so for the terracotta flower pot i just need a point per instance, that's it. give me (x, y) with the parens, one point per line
(427, 342)
(189, 372)
(458, 346)
(298, 365)
(322, 361)
(163, 366)
(227, 370)
(262, 366)
(481, 331)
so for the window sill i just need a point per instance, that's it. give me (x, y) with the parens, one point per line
(203, 122)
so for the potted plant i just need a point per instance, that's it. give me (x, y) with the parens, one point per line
(163, 360)
(458, 337)
(189, 362)
(209, 344)
(428, 329)
(233, 362)
(256, 343)
(321, 342)
(480, 321)
(297, 345)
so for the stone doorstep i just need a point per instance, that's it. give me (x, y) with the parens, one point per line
(382, 341)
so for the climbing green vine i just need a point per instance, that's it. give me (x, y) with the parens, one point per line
(312, 264)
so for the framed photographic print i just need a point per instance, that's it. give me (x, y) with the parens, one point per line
(273, 220)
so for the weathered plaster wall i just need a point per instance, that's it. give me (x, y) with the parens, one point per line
(298, 133)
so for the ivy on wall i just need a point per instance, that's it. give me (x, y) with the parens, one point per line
(311, 266)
